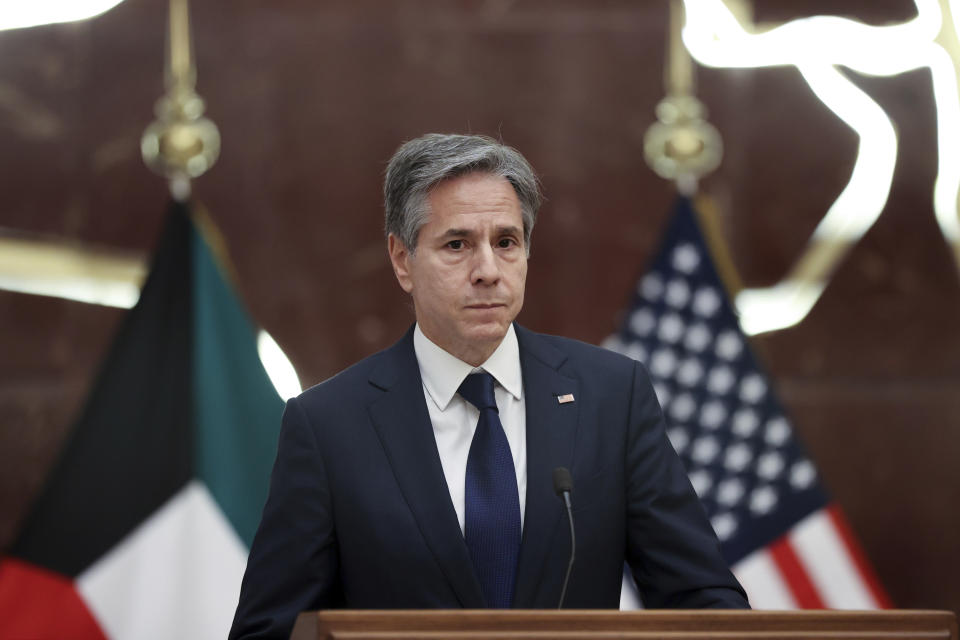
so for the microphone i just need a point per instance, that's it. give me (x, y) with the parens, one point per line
(563, 487)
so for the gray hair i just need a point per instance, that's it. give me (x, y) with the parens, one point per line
(420, 164)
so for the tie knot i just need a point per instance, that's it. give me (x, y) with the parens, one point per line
(477, 389)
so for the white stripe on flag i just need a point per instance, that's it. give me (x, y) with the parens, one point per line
(828, 563)
(177, 575)
(763, 582)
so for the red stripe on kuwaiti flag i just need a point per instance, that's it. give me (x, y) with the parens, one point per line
(28, 596)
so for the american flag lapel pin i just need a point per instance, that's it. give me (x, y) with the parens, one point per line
(565, 398)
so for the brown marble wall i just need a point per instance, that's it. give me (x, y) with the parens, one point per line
(312, 98)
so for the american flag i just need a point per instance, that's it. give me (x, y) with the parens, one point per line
(787, 543)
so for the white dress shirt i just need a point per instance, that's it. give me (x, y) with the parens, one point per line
(455, 420)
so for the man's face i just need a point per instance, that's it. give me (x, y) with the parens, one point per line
(468, 273)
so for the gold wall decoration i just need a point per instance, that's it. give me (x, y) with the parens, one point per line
(817, 46)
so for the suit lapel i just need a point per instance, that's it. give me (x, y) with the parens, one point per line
(402, 422)
(551, 431)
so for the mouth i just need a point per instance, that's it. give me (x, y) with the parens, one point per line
(482, 306)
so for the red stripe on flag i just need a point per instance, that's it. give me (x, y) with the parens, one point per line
(37, 603)
(859, 558)
(796, 576)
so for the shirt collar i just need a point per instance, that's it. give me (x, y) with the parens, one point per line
(443, 373)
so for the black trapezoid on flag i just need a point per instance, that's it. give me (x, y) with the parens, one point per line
(131, 449)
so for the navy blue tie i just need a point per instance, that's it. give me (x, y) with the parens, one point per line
(492, 513)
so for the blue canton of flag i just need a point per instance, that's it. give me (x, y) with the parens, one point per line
(753, 477)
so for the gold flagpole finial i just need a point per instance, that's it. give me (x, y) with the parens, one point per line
(681, 146)
(180, 144)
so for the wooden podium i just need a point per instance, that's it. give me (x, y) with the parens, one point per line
(583, 625)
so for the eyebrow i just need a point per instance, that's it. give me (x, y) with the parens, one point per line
(463, 233)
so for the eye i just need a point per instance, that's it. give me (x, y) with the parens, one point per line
(506, 243)
(456, 245)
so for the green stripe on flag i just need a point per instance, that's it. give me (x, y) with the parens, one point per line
(236, 408)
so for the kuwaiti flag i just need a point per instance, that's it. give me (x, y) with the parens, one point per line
(787, 542)
(143, 526)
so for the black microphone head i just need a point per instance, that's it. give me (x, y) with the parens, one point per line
(562, 481)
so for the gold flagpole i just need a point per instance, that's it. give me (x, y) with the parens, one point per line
(682, 146)
(180, 144)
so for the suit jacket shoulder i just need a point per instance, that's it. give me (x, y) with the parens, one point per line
(555, 349)
(363, 381)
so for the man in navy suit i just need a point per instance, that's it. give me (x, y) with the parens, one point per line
(421, 477)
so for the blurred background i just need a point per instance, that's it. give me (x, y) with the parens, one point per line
(311, 99)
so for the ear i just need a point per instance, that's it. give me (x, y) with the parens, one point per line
(400, 259)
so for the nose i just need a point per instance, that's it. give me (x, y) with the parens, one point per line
(486, 269)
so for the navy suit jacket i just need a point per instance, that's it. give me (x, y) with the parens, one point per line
(359, 514)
